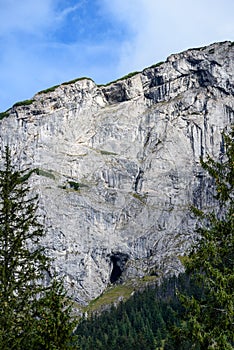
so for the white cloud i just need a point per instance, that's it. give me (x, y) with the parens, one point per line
(159, 28)
(33, 54)
(33, 17)
(68, 10)
(46, 42)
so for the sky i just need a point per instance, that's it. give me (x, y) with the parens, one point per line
(47, 42)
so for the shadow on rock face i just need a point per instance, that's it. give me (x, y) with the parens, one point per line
(118, 265)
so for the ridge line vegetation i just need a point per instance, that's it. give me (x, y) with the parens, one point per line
(53, 88)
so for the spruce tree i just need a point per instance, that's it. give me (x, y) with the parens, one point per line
(210, 311)
(35, 312)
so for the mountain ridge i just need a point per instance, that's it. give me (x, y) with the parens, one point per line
(119, 165)
(127, 76)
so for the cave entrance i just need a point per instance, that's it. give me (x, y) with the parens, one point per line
(118, 265)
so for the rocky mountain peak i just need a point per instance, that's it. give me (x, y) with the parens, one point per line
(118, 165)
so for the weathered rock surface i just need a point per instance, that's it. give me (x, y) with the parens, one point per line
(118, 165)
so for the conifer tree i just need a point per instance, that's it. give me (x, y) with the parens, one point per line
(34, 309)
(210, 313)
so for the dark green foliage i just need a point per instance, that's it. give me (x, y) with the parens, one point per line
(75, 80)
(55, 326)
(130, 75)
(223, 172)
(142, 322)
(156, 65)
(53, 88)
(46, 173)
(210, 315)
(74, 185)
(146, 321)
(33, 303)
(141, 197)
(107, 153)
(23, 103)
(4, 114)
(40, 172)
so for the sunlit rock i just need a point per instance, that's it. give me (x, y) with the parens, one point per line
(119, 165)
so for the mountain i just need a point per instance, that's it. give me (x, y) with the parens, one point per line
(117, 166)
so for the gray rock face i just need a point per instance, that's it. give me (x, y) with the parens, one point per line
(118, 165)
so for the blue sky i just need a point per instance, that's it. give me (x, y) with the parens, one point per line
(46, 42)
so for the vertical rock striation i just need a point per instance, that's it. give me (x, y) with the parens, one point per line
(117, 166)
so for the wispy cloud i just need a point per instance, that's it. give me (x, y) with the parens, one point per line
(162, 27)
(35, 50)
(68, 10)
(43, 43)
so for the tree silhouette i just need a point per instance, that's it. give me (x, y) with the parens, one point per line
(211, 263)
(35, 312)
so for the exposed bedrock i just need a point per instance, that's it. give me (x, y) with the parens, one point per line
(119, 165)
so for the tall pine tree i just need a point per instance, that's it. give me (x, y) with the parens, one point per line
(210, 312)
(34, 309)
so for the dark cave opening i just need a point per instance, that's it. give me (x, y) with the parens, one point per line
(118, 264)
(116, 270)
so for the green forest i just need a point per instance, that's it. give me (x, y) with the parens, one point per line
(148, 320)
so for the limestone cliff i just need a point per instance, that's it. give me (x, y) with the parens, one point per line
(118, 165)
